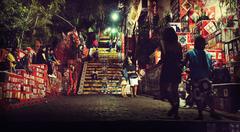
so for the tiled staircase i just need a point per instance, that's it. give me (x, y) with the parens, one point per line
(105, 55)
(108, 68)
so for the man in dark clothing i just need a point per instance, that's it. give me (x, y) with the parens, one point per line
(171, 70)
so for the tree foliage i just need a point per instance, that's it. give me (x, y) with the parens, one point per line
(22, 19)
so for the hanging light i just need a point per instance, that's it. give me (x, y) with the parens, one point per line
(115, 16)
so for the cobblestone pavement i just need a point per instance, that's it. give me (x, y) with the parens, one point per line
(100, 108)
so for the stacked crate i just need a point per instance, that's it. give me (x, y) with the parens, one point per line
(55, 84)
(232, 53)
(39, 74)
(59, 87)
(10, 86)
(27, 85)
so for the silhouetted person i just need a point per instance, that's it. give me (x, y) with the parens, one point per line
(41, 56)
(110, 44)
(118, 45)
(94, 74)
(96, 55)
(171, 69)
(200, 64)
(37, 48)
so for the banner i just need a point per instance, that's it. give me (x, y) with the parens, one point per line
(185, 6)
(135, 11)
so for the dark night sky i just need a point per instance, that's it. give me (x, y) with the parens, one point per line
(81, 9)
(88, 6)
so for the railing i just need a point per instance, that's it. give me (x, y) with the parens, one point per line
(82, 79)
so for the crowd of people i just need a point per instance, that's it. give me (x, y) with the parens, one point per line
(114, 44)
(60, 55)
(15, 58)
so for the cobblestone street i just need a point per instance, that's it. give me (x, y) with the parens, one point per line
(106, 111)
(99, 108)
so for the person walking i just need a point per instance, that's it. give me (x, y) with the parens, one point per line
(170, 77)
(123, 86)
(200, 65)
(94, 74)
(110, 44)
(104, 85)
(96, 55)
(132, 75)
(95, 43)
(71, 85)
(118, 45)
(124, 82)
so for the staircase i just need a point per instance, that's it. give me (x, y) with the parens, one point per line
(105, 55)
(108, 68)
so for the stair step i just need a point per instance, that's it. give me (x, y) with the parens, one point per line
(101, 78)
(109, 84)
(115, 82)
(100, 81)
(108, 72)
(109, 66)
(111, 60)
(101, 68)
(107, 54)
(98, 63)
(115, 93)
(100, 84)
(104, 91)
(113, 74)
(117, 75)
(98, 87)
(109, 76)
(105, 72)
